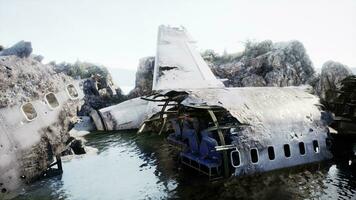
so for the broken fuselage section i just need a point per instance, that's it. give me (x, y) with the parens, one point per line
(242, 131)
(31, 137)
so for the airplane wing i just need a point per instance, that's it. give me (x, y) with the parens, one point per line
(178, 65)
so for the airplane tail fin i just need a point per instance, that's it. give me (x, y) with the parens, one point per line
(178, 65)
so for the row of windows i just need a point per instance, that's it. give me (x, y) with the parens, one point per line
(236, 161)
(30, 112)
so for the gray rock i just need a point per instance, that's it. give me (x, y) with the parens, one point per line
(253, 81)
(100, 92)
(144, 77)
(264, 64)
(330, 78)
(39, 58)
(21, 49)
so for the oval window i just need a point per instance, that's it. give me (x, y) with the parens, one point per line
(301, 148)
(51, 100)
(29, 111)
(287, 150)
(271, 154)
(254, 155)
(235, 158)
(72, 91)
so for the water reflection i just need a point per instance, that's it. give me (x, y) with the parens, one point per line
(129, 166)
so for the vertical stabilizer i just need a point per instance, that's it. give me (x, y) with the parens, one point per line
(178, 64)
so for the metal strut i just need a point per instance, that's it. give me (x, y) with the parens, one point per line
(222, 142)
(161, 117)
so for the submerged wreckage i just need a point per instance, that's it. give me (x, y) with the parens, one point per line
(221, 131)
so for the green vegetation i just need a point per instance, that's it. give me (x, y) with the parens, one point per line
(81, 69)
(213, 57)
(252, 50)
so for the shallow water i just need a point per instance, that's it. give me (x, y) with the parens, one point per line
(130, 166)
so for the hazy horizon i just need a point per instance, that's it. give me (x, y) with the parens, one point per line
(118, 33)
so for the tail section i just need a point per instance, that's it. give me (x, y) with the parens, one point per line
(178, 64)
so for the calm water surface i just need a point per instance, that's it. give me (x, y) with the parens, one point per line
(130, 166)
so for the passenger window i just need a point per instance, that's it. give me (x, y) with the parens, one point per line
(52, 100)
(301, 148)
(271, 154)
(29, 111)
(286, 150)
(254, 155)
(72, 91)
(316, 146)
(235, 158)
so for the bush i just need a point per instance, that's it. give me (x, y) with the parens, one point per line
(81, 69)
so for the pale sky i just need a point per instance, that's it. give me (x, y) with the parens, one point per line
(117, 33)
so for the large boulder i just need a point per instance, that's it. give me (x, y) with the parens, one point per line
(144, 77)
(330, 78)
(21, 49)
(264, 64)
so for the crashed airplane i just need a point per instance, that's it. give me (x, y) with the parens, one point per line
(221, 131)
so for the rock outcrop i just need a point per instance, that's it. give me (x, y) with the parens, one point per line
(144, 77)
(264, 64)
(21, 49)
(332, 73)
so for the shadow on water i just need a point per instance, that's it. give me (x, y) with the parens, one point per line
(130, 166)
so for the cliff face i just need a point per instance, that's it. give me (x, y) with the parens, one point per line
(28, 146)
(144, 77)
(264, 64)
(332, 73)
